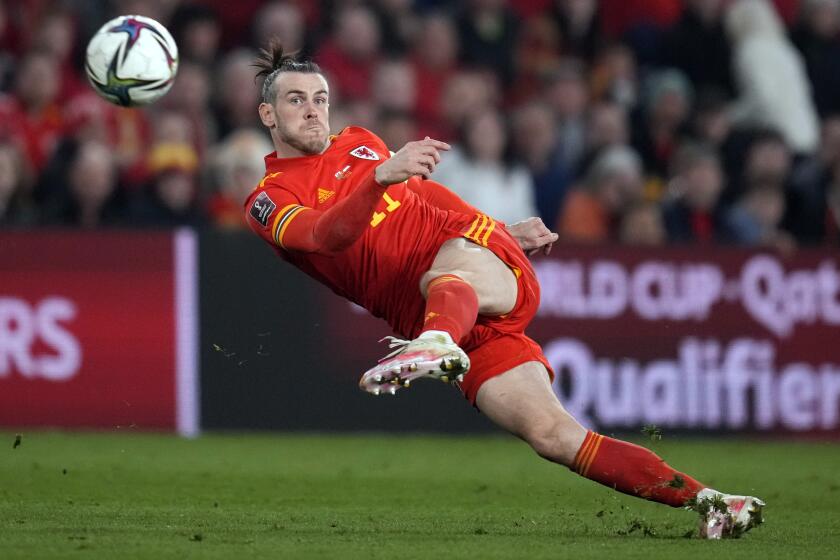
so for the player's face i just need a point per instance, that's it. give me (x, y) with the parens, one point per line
(302, 111)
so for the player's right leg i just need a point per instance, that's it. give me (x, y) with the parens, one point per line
(523, 402)
(465, 279)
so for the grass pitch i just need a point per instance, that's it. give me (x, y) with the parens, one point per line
(267, 496)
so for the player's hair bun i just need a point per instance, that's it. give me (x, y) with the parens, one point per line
(272, 60)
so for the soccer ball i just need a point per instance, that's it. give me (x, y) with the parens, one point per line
(131, 60)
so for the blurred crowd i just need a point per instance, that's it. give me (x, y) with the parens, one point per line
(632, 121)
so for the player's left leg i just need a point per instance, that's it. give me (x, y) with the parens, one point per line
(523, 402)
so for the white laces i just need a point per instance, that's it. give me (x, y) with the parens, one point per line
(394, 342)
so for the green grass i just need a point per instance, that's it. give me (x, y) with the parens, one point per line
(286, 496)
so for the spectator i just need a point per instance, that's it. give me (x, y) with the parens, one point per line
(171, 199)
(172, 127)
(711, 123)
(817, 36)
(475, 170)
(568, 97)
(772, 83)
(593, 211)
(435, 60)
(350, 55)
(396, 128)
(92, 192)
(811, 217)
(394, 86)
(237, 95)
(398, 25)
(32, 114)
(190, 96)
(55, 36)
(282, 21)
(238, 167)
(641, 224)
(699, 47)
(533, 140)
(756, 218)
(660, 126)
(360, 112)
(606, 126)
(614, 77)
(89, 118)
(537, 57)
(16, 209)
(693, 213)
(488, 32)
(467, 93)
(767, 160)
(197, 30)
(832, 216)
(579, 26)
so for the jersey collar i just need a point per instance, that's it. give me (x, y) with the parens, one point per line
(274, 163)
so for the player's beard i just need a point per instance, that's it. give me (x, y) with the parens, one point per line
(304, 141)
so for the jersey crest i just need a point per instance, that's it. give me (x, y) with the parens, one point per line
(363, 152)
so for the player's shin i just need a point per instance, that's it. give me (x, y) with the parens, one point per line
(451, 307)
(633, 470)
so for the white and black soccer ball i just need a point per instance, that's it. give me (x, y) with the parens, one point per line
(131, 60)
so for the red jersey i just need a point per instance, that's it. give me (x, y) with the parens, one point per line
(381, 271)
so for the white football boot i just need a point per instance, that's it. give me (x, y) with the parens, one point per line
(724, 516)
(433, 354)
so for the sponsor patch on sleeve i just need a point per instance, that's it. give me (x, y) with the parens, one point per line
(262, 208)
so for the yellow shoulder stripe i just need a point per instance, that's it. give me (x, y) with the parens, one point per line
(266, 178)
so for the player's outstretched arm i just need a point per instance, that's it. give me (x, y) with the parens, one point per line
(533, 236)
(298, 228)
(332, 231)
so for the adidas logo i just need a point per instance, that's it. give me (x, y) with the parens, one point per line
(324, 195)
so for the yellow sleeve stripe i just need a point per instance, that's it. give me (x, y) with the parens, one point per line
(473, 226)
(283, 211)
(488, 232)
(285, 218)
(481, 228)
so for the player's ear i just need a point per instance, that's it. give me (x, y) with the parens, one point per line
(267, 115)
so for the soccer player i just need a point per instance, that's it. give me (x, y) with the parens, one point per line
(454, 282)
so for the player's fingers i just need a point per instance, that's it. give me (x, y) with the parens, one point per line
(419, 169)
(542, 230)
(547, 248)
(436, 143)
(551, 239)
(428, 151)
(427, 161)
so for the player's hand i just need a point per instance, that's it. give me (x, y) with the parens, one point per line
(415, 158)
(533, 236)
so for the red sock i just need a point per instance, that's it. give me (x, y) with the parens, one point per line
(451, 306)
(633, 470)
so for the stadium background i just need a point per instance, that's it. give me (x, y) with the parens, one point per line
(698, 204)
(692, 172)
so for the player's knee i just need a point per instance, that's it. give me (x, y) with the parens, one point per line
(433, 273)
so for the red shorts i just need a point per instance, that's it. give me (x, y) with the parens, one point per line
(498, 344)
